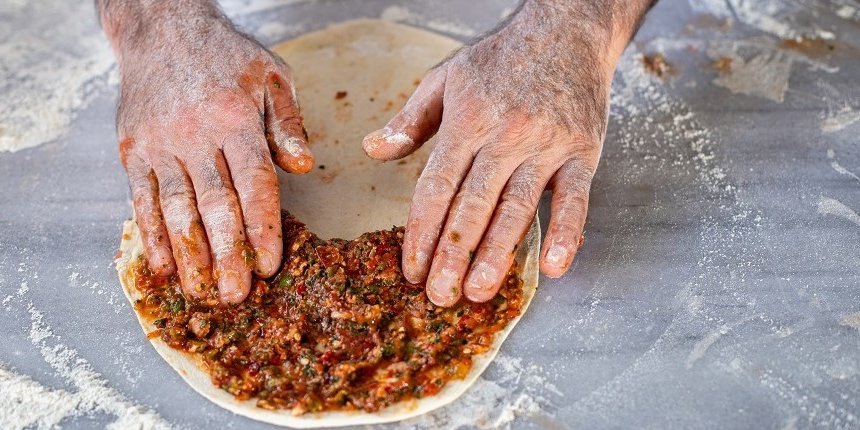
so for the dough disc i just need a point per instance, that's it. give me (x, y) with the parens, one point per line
(377, 64)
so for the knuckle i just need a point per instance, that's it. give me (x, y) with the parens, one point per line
(172, 188)
(575, 200)
(522, 194)
(453, 252)
(212, 197)
(493, 249)
(516, 211)
(434, 185)
(470, 206)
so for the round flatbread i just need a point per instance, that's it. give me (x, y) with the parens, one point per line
(351, 78)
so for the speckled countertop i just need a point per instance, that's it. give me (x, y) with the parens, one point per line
(719, 285)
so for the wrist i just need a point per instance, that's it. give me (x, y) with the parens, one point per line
(133, 26)
(607, 25)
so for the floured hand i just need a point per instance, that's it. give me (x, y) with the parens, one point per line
(517, 111)
(204, 111)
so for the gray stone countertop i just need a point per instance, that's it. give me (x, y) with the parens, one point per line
(718, 287)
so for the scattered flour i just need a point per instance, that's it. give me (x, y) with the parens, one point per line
(93, 393)
(852, 320)
(759, 66)
(838, 167)
(768, 16)
(26, 403)
(519, 390)
(840, 119)
(52, 67)
(829, 206)
(247, 7)
(764, 75)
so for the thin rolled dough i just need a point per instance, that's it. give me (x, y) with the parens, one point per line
(377, 64)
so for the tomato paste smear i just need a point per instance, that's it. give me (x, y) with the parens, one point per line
(338, 328)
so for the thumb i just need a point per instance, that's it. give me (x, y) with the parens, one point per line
(285, 130)
(415, 124)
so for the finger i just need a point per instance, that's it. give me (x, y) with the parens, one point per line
(187, 237)
(511, 221)
(445, 169)
(257, 188)
(147, 214)
(467, 220)
(285, 131)
(570, 188)
(222, 218)
(415, 124)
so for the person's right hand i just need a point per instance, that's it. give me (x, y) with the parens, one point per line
(203, 112)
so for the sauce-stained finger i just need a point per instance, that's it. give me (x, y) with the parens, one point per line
(184, 226)
(466, 222)
(440, 180)
(256, 186)
(147, 213)
(511, 220)
(222, 217)
(285, 131)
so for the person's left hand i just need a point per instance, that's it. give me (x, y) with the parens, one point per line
(519, 110)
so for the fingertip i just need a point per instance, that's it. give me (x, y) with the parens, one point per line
(294, 156)
(415, 266)
(443, 288)
(161, 263)
(372, 142)
(233, 286)
(196, 281)
(483, 282)
(556, 260)
(267, 263)
(387, 144)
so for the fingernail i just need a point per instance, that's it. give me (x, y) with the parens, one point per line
(197, 282)
(481, 279)
(557, 256)
(443, 289)
(295, 147)
(230, 287)
(162, 263)
(371, 142)
(265, 262)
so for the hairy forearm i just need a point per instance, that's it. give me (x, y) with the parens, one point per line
(611, 23)
(129, 24)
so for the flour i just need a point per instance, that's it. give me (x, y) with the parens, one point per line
(52, 67)
(25, 403)
(94, 394)
(247, 7)
(831, 155)
(769, 16)
(764, 75)
(830, 206)
(836, 121)
(517, 391)
(759, 66)
(852, 320)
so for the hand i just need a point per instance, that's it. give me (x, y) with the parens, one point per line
(203, 112)
(519, 110)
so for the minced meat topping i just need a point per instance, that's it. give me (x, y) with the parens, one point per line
(338, 328)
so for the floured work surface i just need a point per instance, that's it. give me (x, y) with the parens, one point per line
(338, 337)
